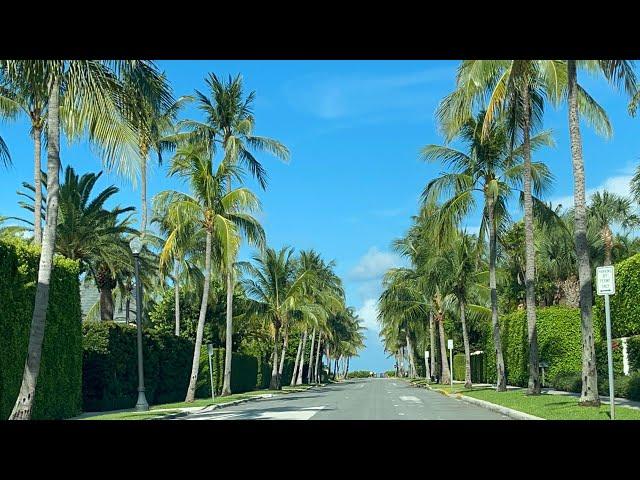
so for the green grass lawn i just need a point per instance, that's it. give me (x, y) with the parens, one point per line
(550, 407)
(150, 415)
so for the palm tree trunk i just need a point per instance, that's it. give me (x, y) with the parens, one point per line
(432, 344)
(301, 368)
(346, 370)
(501, 379)
(446, 373)
(228, 344)
(143, 189)
(37, 183)
(318, 365)
(310, 376)
(530, 252)
(24, 403)
(275, 384)
(106, 303)
(467, 350)
(412, 360)
(284, 350)
(127, 313)
(607, 238)
(195, 366)
(176, 291)
(589, 394)
(294, 376)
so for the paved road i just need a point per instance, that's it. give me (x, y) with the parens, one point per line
(362, 399)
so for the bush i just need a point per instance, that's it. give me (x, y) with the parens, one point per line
(633, 352)
(390, 373)
(458, 366)
(359, 374)
(625, 304)
(59, 389)
(602, 360)
(620, 386)
(559, 344)
(633, 386)
(568, 382)
(244, 372)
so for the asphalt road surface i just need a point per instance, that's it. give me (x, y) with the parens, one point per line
(359, 399)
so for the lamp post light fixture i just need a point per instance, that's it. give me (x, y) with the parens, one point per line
(136, 247)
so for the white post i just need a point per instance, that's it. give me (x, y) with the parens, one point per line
(612, 399)
(450, 345)
(210, 351)
(427, 373)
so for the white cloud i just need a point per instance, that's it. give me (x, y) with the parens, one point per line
(619, 184)
(369, 314)
(374, 264)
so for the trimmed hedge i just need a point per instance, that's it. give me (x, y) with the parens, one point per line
(111, 371)
(111, 375)
(633, 353)
(633, 387)
(59, 389)
(559, 344)
(625, 304)
(244, 372)
(458, 366)
(359, 374)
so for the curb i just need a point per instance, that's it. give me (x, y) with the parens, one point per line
(509, 412)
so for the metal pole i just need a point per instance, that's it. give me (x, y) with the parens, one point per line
(141, 404)
(612, 399)
(211, 374)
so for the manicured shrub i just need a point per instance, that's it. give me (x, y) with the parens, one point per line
(59, 389)
(390, 373)
(633, 353)
(559, 344)
(620, 386)
(244, 372)
(458, 366)
(359, 374)
(602, 360)
(625, 304)
(568, 382)
(478, 368)
(633, 386)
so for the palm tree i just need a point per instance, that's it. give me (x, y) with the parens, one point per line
(493, 168)
(276, 290)
(89, 106)
(606, 209)
(29, 98)
(221, 215)
(154, 122)
(90, 233)
(229, 123)
(615, 71)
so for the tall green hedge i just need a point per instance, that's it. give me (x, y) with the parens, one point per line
(625, 304)
(559, 344)
(633, 352)
(59, 388)
(111, 375)
(244, 372)
(111, 370)
(458, 366)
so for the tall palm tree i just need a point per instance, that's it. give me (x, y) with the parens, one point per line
(221, 213)
(89, 107)
(229, 124)
(616, 71)
(493, 168)
(29, 98)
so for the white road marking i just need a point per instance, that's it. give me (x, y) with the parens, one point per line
(410, 399)
(304, 413)
(396, 405)
(401, 414)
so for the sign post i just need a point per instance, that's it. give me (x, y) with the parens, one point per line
(606, 285)
(427, 373)
(450, 345)
(210, 350)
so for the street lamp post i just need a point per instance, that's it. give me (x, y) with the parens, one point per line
(136, 248)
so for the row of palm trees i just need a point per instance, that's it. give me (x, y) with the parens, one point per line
(127, 111)
(496, 113)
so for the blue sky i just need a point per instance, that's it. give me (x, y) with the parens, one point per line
(354, 129)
